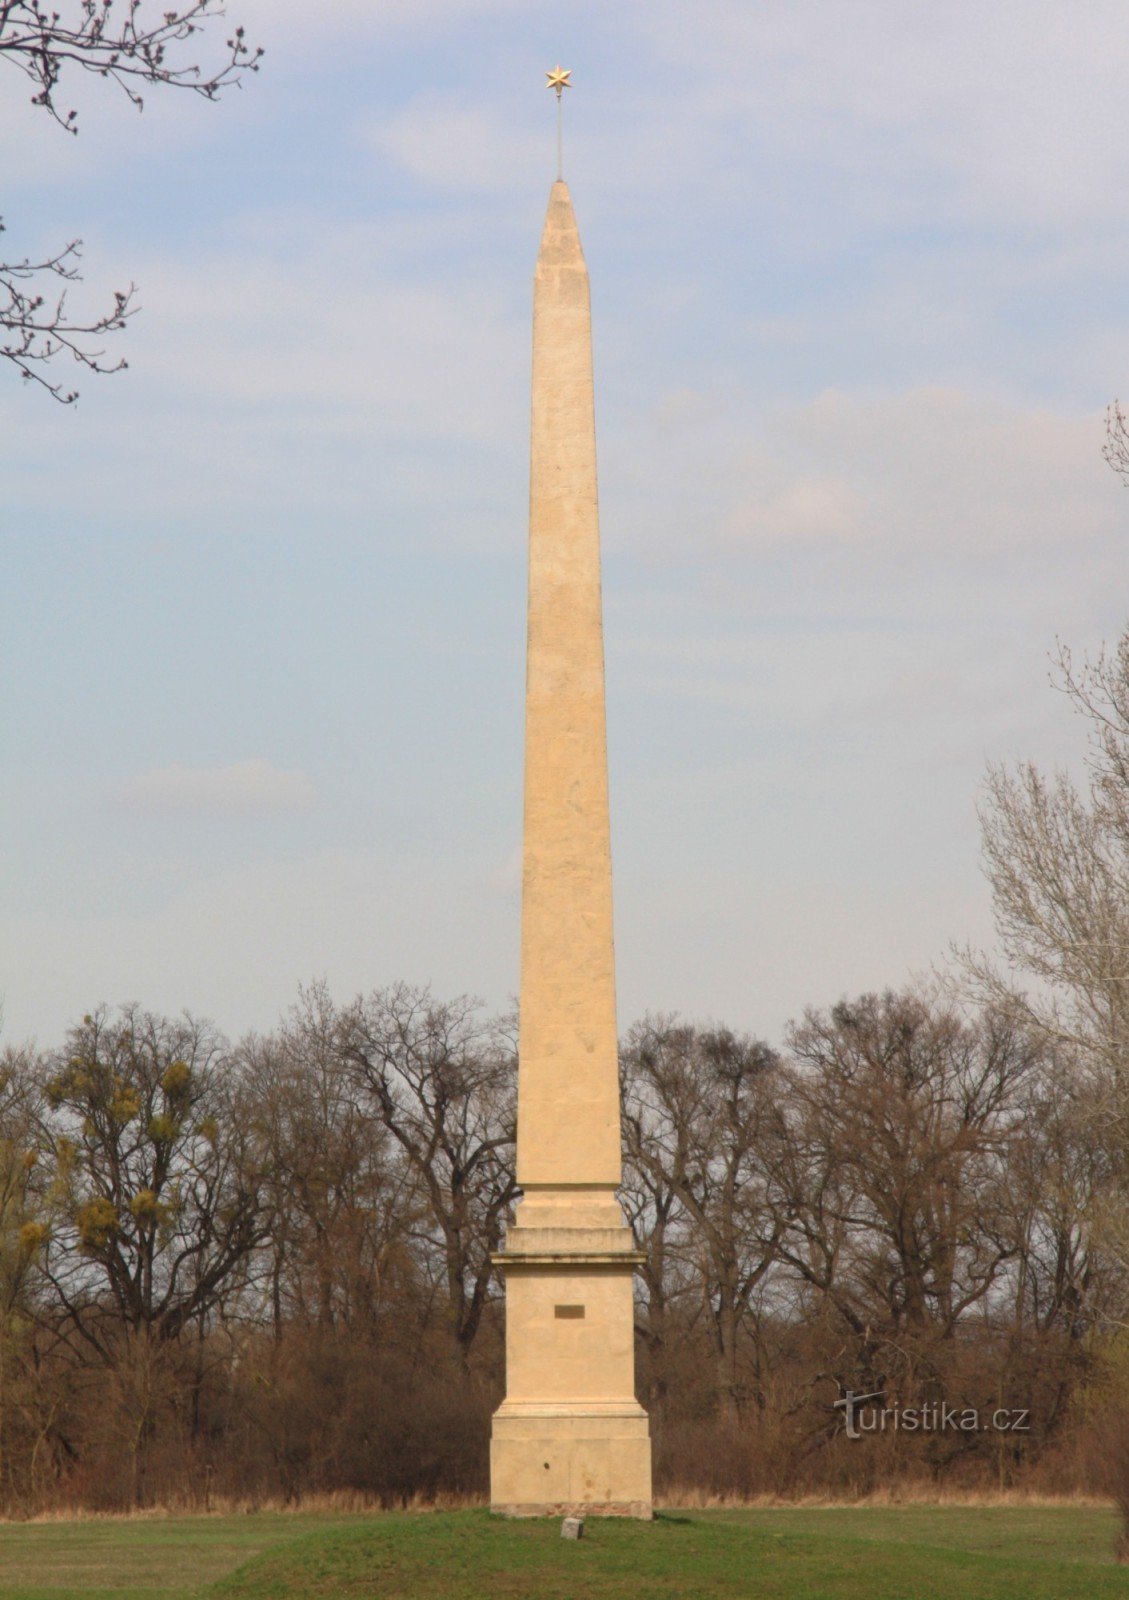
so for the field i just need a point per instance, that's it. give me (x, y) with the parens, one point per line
(825, 1553)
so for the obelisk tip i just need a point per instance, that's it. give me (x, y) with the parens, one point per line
(560, 238)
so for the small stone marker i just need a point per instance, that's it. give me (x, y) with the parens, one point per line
(572, 1528)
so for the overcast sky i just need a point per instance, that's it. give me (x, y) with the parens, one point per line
(859, 294)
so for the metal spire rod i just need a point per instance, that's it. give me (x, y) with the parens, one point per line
(558, 80)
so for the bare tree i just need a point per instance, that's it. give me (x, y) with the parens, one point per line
(161, 1204)
(341, 1197)
(442, 1081)
(24, 1208)
(1056, 854)
(1065, 1282)
(701, 1114)
(658, 1222)
(136, 52)
(159, 1208)
(897, 1180)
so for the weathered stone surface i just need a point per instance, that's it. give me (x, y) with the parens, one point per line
(572, 1528)
(568, 1103)
(570, 1437)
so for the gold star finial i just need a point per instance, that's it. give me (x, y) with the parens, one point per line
(558, 80)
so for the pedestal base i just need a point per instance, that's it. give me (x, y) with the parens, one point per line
(570, 1438)
(550, 1463)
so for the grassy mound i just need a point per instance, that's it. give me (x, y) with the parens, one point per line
(786, 1555)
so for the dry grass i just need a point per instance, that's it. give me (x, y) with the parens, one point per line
(347, 1502)
(910, 1494)
(337, 1503)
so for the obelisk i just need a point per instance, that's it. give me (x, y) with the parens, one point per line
(570, 1435)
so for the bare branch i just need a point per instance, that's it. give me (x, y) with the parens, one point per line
(35, 326)
(1116, 448)
(124, 47)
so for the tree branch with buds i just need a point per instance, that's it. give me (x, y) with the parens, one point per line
(1116, 448)
(36, 328)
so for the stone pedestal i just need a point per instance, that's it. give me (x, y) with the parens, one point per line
(570, 1438)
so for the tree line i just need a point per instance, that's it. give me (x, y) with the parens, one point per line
(264, 1269)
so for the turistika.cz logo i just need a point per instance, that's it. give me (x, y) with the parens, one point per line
(862, 1416)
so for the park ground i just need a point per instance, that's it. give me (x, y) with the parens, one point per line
(919, 1552)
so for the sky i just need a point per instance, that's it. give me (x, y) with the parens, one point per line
(858, 279)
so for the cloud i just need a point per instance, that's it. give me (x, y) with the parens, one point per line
(310, 393)
(929, 468)
(462, 147)
(993, 117)
(278, 20)
(253, 787)
(921, 472)
(409, 357)
(868, 582)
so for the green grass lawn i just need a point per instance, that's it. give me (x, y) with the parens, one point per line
(141, 1558)
(840, 1553)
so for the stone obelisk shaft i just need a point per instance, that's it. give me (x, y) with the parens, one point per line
(570, 1435)
(568, 1105)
